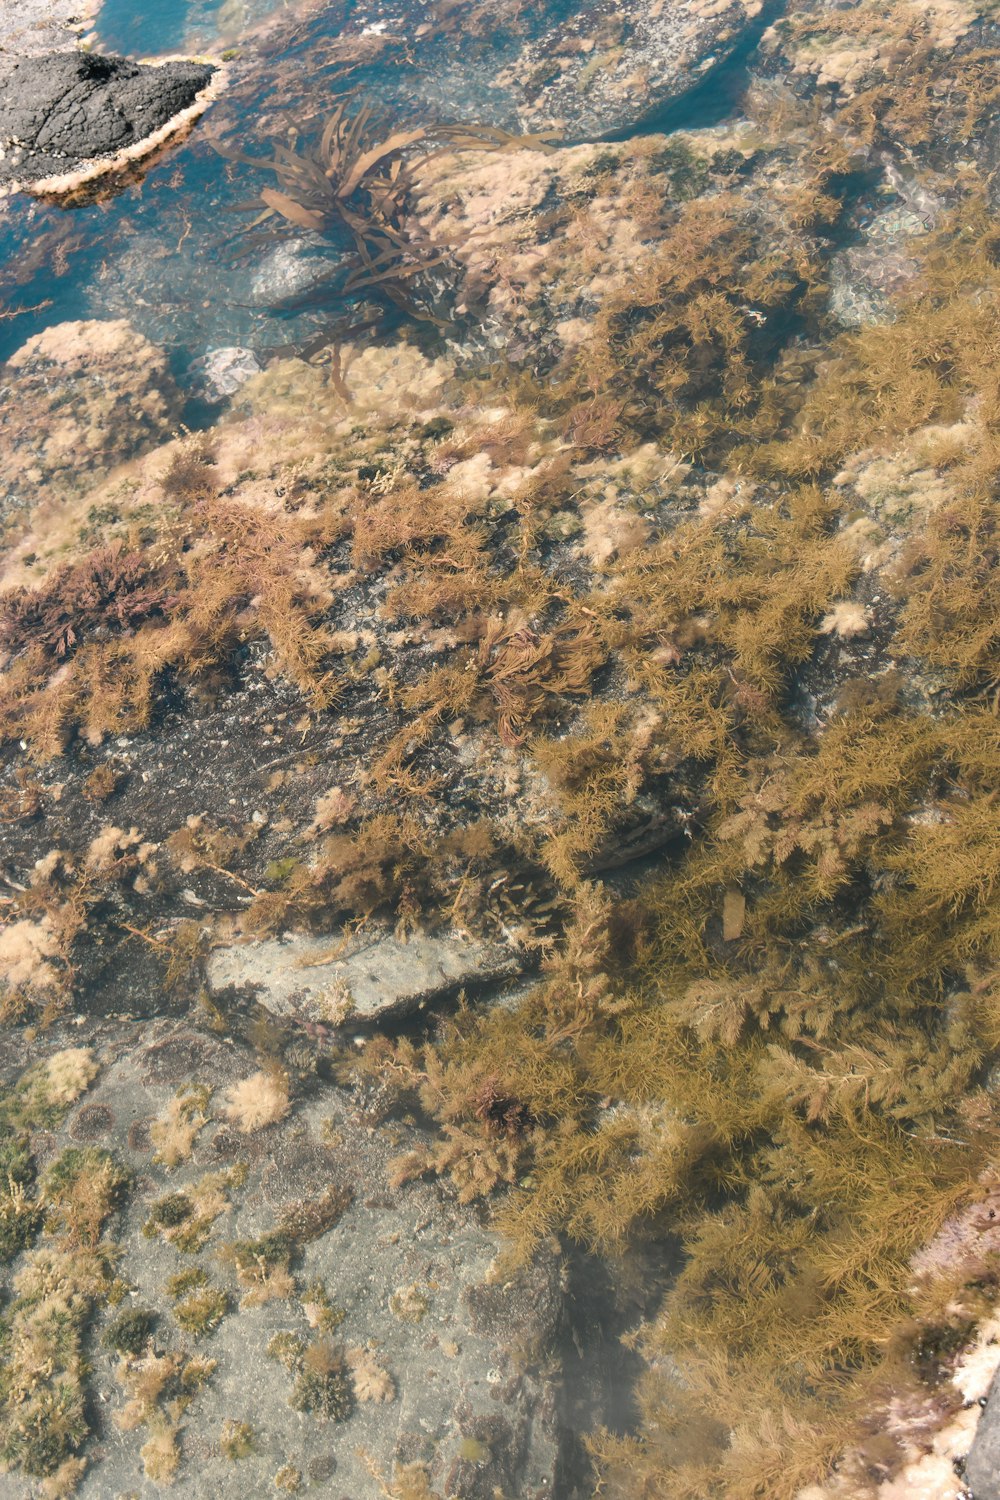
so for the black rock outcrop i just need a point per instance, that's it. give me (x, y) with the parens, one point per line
(63, 109)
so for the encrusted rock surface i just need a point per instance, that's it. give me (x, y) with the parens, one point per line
(338, 978)
(449, 1364)
(61, 110)
(30, 27)
(982, 1467)
(77, 399)
(600, 68)
(221, 372)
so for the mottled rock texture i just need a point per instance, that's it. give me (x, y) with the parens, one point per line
(78, 399)
(256, 1249)
(62, 109)
(32, 26)
(601, 68)
(982, 1467)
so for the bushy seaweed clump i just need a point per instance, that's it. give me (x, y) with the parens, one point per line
(238, 1440)
(323, 1383)
(43, 1421)
(129, 1332)
(40, 1098)
(20, 1214)
(201, 1311)
(900, 78)
(90, 648)
(112, 590)
(792, 1099)
(778, 1051)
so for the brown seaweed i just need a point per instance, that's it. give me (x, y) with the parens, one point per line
(358, 177)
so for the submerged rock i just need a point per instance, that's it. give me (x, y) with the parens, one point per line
(78, 399)
(221, 372)
(582, 71)
(868, 275)
(312, 1319)
(982, 1467)
(607, 66)
(291, 270)
(864, 278)
(63, 110)
(579, 71)
(334, 979)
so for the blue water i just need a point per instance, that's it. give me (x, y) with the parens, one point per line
(163, 251)
(159, 250)
(136, 27)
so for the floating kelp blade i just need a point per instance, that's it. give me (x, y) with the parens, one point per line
(292, 210)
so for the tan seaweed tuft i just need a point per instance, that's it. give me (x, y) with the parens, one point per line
(69, 1073)
(175, 1133)
(261, 1099)
(370, 1380)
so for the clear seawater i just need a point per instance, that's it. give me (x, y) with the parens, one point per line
(160, 251)
(168, 249)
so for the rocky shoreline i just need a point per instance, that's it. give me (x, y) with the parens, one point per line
(32, 27)
(497, 826)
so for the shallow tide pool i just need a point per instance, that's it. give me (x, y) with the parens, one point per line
(499, 572)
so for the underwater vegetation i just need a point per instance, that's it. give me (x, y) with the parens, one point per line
(775, 1059)
(695, 573)
(323, 1384)
(358, 176)
(66, 1271)
(109, 591)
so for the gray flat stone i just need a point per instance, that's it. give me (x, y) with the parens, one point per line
(467, 1361)
(325, 979)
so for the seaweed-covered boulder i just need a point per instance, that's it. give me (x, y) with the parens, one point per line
(61, 110)
(77, 399)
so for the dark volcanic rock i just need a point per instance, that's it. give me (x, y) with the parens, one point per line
(62, 109)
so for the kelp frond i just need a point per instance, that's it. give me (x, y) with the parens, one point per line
(357, 176)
